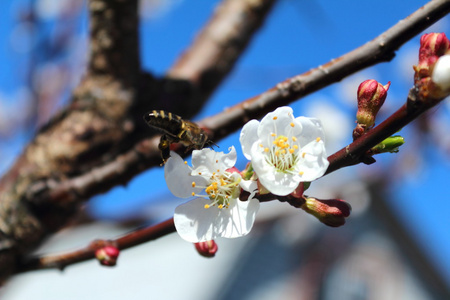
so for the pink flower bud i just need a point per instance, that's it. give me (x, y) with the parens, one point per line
(331, 212)
(207, 249)
(432, 46)
(107, 255)
(371, 96)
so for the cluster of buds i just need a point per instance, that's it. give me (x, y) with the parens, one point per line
(432, 74)
(207, 249)
(371, 96)
(331, 212)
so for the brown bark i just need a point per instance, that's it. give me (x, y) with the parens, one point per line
(98, 141)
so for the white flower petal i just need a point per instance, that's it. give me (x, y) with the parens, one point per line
(196, 224)
(207, 161)
(441, 72)
(228, 160)
(241, 215)
(248, 136)
(279, 183)
(315, 162)
(311, 130)
(249, 185)
(178, 177)
(283, 117)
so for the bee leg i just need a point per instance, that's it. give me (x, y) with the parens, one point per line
(164, 147)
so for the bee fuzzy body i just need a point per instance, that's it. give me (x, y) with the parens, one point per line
(176, 130)
(166, 121)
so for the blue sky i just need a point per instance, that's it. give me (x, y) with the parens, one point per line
(298, 35)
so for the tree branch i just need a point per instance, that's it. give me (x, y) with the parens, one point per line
(75, 140)
(217, 47)
(129, 240)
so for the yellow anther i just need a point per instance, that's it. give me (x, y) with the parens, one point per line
(199, 173)
(266, 149)
(218, 170)
(193, 183)
(206, 206)
(273, 134)
(220, 206)
(303, 154)
(277, 152)
(185, 162)
(292, 124)
(222, 182)
(301, 173)
(285, 138)
(275, 117)
(291, 151)
(294, 138)
(295, 147)
(318, 139)
(217, 161)
(193, 194)
(283, 151)
(261, 145)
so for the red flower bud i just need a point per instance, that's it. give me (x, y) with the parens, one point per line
(432, 46)
(331, 212)
(371, 96)
(207, 249)
(107, 255)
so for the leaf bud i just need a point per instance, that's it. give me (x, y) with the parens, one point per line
(391, 145)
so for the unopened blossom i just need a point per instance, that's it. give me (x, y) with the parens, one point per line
(284, 150)
(432, 46)
(431, 76)
(331, 212)
(216, 211)
(371, 96)
(207, 248)
(107, 255)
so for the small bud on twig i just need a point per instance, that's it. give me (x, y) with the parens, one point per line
(206, 249)
(432, 46)
(371, 96)
(432, 76)
(107, 255)
(331, 212)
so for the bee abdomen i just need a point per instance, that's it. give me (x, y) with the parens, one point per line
(165, 121)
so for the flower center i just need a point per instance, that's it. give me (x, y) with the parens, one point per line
(283, 155)
(223, 188)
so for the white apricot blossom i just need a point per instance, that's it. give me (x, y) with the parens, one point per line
(217, 210)
(284, 150)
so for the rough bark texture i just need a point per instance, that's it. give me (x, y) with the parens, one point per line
(71, 158)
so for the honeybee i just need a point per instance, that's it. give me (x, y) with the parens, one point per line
(176, 130)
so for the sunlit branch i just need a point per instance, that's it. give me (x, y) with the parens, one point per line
(136, 237)
(218, 46)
